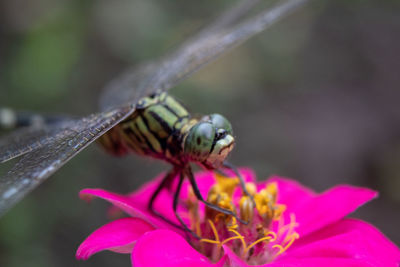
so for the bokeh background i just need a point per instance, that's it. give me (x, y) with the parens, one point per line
(315, 98)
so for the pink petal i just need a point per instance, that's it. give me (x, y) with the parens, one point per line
(163, 203)
(248, 174)
(126, 204)
(168, 249)
(314, 211)
(318, 262)
(350, 239)
(290, 192)
(118, 236)
(142, 196)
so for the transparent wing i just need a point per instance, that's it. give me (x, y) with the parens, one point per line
(28, 139)
(22, 141)
(34, 167)
(193, 54)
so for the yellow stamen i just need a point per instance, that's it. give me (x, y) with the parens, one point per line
(268, 211)
(273, 234)
(289, 227)
(216, 241)
(233, 224)
(229, 239)
(209, 241)
(282, 249)
(266, 238)
(293, 224)
(214, 230)
(239, 236)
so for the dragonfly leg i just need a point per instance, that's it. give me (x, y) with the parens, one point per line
(164, 183)
(233, 168)
(175, 206)
(208, 204)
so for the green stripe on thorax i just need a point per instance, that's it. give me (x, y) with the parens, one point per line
(157, 128)
(162, 128)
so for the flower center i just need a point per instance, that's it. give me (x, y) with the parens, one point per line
(265, 237)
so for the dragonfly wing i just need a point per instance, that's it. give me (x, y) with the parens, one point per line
(21, 141)
(35, 166)
(28, 139)
(192, 55)
(136, 81)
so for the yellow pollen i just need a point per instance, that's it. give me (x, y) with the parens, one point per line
(279, 209)
(266, 205)
(272, 190)
(251, 188)
(226, 184)
(221, 194)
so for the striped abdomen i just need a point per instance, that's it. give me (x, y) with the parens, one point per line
(156, 129)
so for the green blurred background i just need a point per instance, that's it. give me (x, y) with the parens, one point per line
(315, 98)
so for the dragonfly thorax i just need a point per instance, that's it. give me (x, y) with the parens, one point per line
(162, 128)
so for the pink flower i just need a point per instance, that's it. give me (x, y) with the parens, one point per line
(290, 226)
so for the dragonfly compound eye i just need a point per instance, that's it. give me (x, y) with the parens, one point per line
(200, 140)
(220, 122)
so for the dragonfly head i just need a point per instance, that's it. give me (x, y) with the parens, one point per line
(210, 141)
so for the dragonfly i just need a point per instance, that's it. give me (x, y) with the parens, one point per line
(132, 107)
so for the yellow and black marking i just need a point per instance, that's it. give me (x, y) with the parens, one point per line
(157, 128)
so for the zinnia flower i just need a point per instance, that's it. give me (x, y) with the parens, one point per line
(290, 225)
